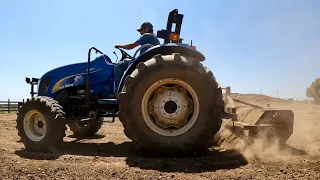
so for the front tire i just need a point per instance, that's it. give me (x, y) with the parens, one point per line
(41, 124)
(171, 105)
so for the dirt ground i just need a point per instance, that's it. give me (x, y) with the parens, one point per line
(109, 154)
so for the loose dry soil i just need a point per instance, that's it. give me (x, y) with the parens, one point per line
(109, 155)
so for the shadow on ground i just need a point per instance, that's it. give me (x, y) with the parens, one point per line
(211, 161)
(96, 136)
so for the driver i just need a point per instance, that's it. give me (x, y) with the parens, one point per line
(147, 37)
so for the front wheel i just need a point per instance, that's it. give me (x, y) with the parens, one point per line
(41, 124)
(171, 105)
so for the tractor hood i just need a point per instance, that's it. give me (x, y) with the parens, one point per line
(72, 75)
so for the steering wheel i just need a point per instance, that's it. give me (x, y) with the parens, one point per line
(124, 54)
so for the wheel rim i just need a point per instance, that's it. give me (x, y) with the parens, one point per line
(170, 107)
(34, 125)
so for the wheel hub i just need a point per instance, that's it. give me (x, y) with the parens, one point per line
(39, 124)
(34, 125)
(171, 106)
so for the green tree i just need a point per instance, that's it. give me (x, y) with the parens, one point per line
(314, 89)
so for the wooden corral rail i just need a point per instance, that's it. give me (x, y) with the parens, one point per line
(9, 106)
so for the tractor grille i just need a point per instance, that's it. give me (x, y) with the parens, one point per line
(43, 87)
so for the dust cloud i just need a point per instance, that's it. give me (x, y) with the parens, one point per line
(305, 139)
(258, 148)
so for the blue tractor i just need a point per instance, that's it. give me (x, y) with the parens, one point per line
(167, 100)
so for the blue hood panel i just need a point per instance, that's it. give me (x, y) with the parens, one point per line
(76, 75)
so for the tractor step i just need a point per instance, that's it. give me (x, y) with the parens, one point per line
(107, 101)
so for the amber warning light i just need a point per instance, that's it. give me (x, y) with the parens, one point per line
(174, 37)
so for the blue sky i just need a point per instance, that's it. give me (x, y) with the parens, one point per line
(249, 44)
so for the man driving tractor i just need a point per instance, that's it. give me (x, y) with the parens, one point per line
(147, 37)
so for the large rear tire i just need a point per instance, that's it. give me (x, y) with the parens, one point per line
(171, 105)
(41, 124)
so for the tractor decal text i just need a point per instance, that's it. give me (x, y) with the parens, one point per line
(65, 86)
(72, 80)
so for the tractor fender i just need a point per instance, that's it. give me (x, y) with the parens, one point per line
(166, 49)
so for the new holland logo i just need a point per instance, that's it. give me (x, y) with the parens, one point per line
(78, 80)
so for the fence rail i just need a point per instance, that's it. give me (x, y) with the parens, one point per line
(9, 106)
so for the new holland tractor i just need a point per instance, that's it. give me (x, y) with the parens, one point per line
(167, 101)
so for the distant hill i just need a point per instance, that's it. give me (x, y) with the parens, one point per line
(263, 100)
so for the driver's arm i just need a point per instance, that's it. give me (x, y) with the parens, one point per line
(127, 46)
(140, 41)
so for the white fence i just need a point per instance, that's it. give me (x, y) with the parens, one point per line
(9, 106)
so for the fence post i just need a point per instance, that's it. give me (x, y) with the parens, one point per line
(8, 105)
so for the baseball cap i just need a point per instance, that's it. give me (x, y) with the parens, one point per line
(144, 25)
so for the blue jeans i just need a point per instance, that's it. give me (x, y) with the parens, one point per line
(119, 69)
